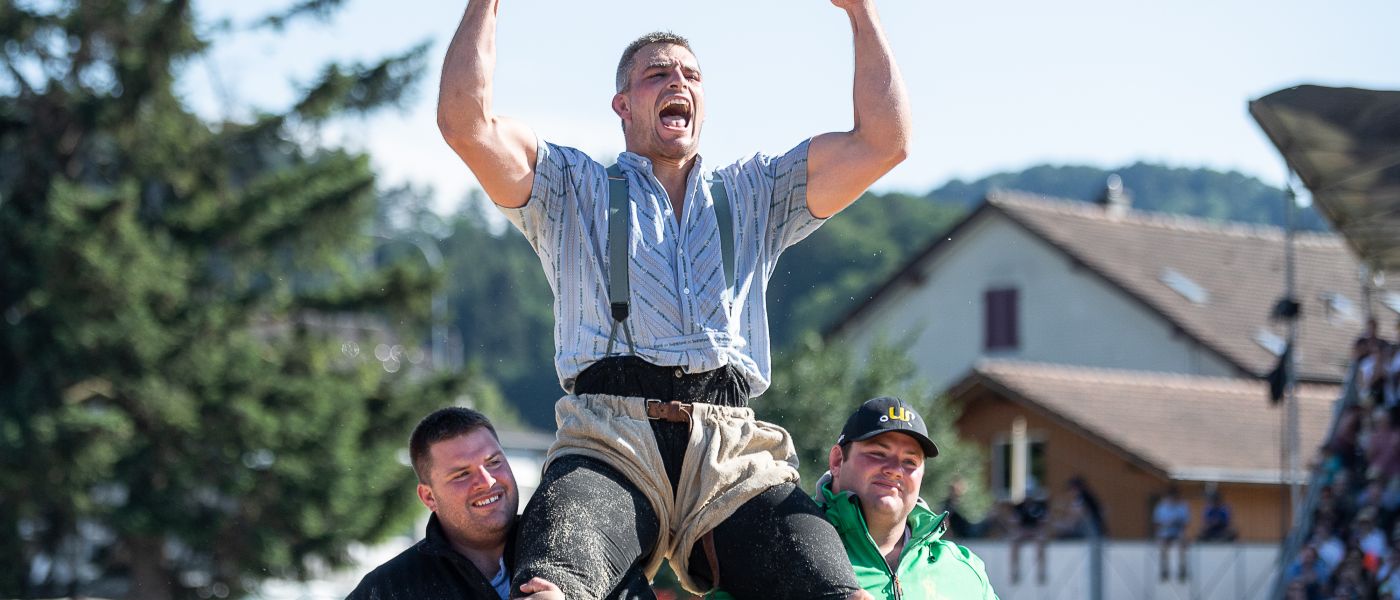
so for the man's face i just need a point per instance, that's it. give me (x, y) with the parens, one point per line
(471, 488)
(664, 105)
(885, 472)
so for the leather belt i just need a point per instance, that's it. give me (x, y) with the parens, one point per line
(672, 412)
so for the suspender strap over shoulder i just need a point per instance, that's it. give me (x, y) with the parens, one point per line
(619, 227)
(725, 217)
(619, 230)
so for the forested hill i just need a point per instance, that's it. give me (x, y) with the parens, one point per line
(1228, 196)
(501, 303)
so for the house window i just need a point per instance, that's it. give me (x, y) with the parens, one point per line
(1002, 329)
(1005, 483)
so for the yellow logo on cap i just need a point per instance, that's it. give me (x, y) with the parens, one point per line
(901, 416)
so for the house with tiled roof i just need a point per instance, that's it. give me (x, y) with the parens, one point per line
(1029, 294)
(1133, 433)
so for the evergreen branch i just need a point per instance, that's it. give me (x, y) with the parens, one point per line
(389, 288)
(361, 89)
(318, 9)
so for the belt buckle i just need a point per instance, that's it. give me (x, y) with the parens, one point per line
(681, 407)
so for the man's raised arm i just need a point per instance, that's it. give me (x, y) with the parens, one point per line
(840, 166)
(498, 150)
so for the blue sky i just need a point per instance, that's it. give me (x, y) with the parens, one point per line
(995, 85)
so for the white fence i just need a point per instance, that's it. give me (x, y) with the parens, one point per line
(1131, 569)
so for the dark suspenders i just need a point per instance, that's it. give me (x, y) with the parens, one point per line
(619, 228)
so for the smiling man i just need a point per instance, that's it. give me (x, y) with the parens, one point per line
(659, 266)
(464, 479)
(894, 541)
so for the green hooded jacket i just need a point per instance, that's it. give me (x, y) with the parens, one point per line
(930, 567)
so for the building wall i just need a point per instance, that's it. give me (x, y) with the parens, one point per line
(1067, 314)
(1237, 571)
(1127, 490)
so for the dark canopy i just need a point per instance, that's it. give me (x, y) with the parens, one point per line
(1345, 145)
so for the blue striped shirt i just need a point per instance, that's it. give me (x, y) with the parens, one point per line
(681, 312)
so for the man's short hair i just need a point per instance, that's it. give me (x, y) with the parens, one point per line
(442, 424)
(624, 66)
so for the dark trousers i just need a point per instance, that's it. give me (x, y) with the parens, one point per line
(587, 528)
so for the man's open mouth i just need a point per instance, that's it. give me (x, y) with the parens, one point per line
(487, 501)
(675, 114)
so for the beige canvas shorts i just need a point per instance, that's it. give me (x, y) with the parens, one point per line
(730, 458)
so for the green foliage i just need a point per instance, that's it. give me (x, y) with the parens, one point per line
(840, 264)
(185, 410)
(503, 310)
(1206, 193)
(816, 387)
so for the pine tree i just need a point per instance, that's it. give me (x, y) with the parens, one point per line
(190, 397)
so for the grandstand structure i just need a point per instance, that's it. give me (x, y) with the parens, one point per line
(1344, 145)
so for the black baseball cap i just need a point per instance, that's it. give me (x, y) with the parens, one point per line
(883, 415)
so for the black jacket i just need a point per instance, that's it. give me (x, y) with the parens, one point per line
(429, 570)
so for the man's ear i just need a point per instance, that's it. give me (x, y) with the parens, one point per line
(425, 495)
(619, 106)
(833, 461)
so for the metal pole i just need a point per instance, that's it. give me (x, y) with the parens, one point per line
(1019, 459)
(1095, 561)
(1290, 356)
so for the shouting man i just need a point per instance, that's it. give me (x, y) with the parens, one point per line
(659, 266)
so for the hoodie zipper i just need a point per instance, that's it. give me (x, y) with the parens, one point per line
(908, 544)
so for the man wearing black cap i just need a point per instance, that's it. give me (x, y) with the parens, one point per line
(871, 495)
(894, 541)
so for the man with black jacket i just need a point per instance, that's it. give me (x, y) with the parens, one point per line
(464, 478)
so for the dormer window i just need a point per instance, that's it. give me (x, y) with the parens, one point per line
(1183, 285)
(1270, 341)
(1340, 307)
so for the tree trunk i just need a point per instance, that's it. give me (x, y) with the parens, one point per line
(149, 579)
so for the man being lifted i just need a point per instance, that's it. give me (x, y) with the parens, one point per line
(659, 267)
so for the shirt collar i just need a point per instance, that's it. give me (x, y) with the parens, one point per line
(637, 162)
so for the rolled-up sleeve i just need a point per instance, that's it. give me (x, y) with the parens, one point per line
(789, 219)
(555, 172)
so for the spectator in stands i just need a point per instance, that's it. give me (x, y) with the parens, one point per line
(1216, 525)
(1085, 518)
(1392, 384)
(1030, 525)
(1171, 516)
(1383, 447)
(1388, 577)
(1381, 373)
(1367, 355)
(1351, 580)
(1372, 496)
(1370, 539)
(1330, 548)
(1372, 332)
(1343, 451)
(1309, 572)
(1325, 513)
